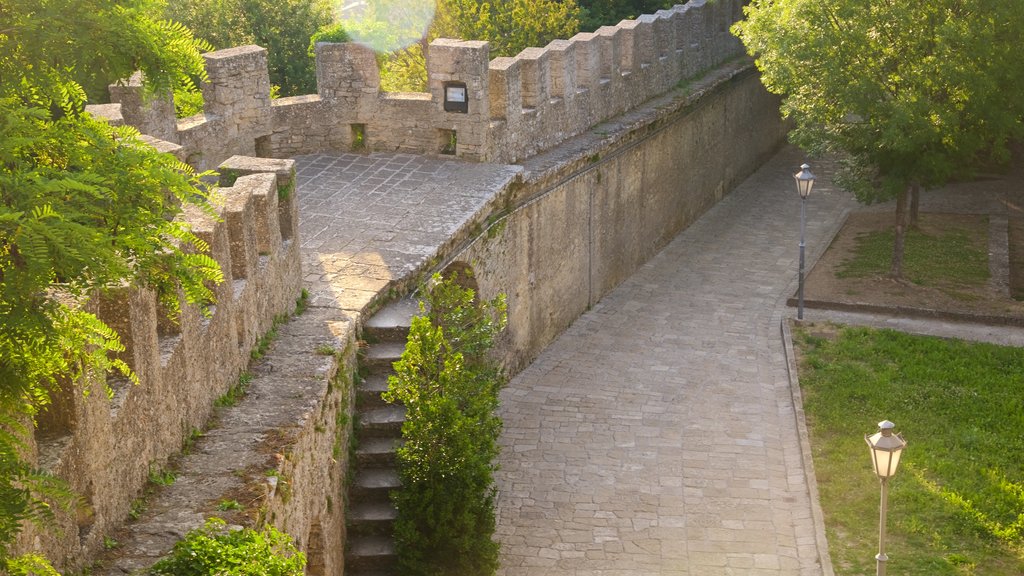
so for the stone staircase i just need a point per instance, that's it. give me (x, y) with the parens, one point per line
(371, 550)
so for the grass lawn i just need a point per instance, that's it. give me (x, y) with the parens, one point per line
(956, 506)
(949, 258)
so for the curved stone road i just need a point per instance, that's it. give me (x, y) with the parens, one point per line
(657, 435)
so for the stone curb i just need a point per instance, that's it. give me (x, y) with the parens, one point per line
(805, 449)
(926, 313)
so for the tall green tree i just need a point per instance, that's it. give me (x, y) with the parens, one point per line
(509, 25)
(910, 94)
(283, 27)
(597, 13)
(83, 207)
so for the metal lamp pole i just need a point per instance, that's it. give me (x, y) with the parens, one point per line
(804, 183)
(881, 558)
(885, 456)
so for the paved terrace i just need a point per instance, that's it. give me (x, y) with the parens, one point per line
(658, 434)
(365, 220)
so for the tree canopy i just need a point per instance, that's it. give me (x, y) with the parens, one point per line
(597, 13)
(283, 27)
(83, 207)
(509, 26)
(909, 94)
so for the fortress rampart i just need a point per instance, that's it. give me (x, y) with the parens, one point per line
(616, 162)
(107, 448)
(515, 106)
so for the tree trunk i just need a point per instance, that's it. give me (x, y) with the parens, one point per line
(915, 193)
(900, 234)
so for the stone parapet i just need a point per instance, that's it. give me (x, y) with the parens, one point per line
(514, 108)
(106, 448)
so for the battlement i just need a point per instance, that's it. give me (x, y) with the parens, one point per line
(508, 108)
(107, 448)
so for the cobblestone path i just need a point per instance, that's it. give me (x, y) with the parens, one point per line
(657, 435)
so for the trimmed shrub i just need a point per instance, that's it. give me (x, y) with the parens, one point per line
(449, 386)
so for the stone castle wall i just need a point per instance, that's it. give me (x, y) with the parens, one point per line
(516, 106)
(589, 215)
(106, 448)
(574, 229)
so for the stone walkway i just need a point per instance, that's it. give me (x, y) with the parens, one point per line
(657, 435)
(366, 220)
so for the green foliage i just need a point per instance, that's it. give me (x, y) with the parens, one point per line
(334, 33)
(137, 508)
(235, 393)
(283, 27)
(908, 93)
(29, 565)
(84, 208)
(263, 344)
(450, 389)
(509, 26)
(225, 505)
(25, 493)
(188, 101)
(44, 45)
(597, 13)
(216, 549)
(956, 505)
(162, 477)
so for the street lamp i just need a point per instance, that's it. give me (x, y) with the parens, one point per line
(804, 183)
(885, 457)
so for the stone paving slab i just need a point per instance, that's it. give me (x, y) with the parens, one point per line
(369, 221)
(658, 434)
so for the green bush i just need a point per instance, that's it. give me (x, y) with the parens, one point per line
(450, 387)
(216, 549)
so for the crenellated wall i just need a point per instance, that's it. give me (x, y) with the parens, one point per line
(517, 106)
(585, 216)
(106, 448)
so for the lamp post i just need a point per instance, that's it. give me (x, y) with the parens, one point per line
(804, 183)
(885, 457)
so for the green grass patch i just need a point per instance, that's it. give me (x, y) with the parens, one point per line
(955, 258)
(235, 393)
(956, 505)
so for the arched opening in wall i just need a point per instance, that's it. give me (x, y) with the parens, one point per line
(315, 551)
(461, 273)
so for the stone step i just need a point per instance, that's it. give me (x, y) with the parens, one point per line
(369, 390)
(377, 452)
(381, 422)
(374, 484)
(371, 518)
(379, 357)
(392, 322)
(370, 553)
